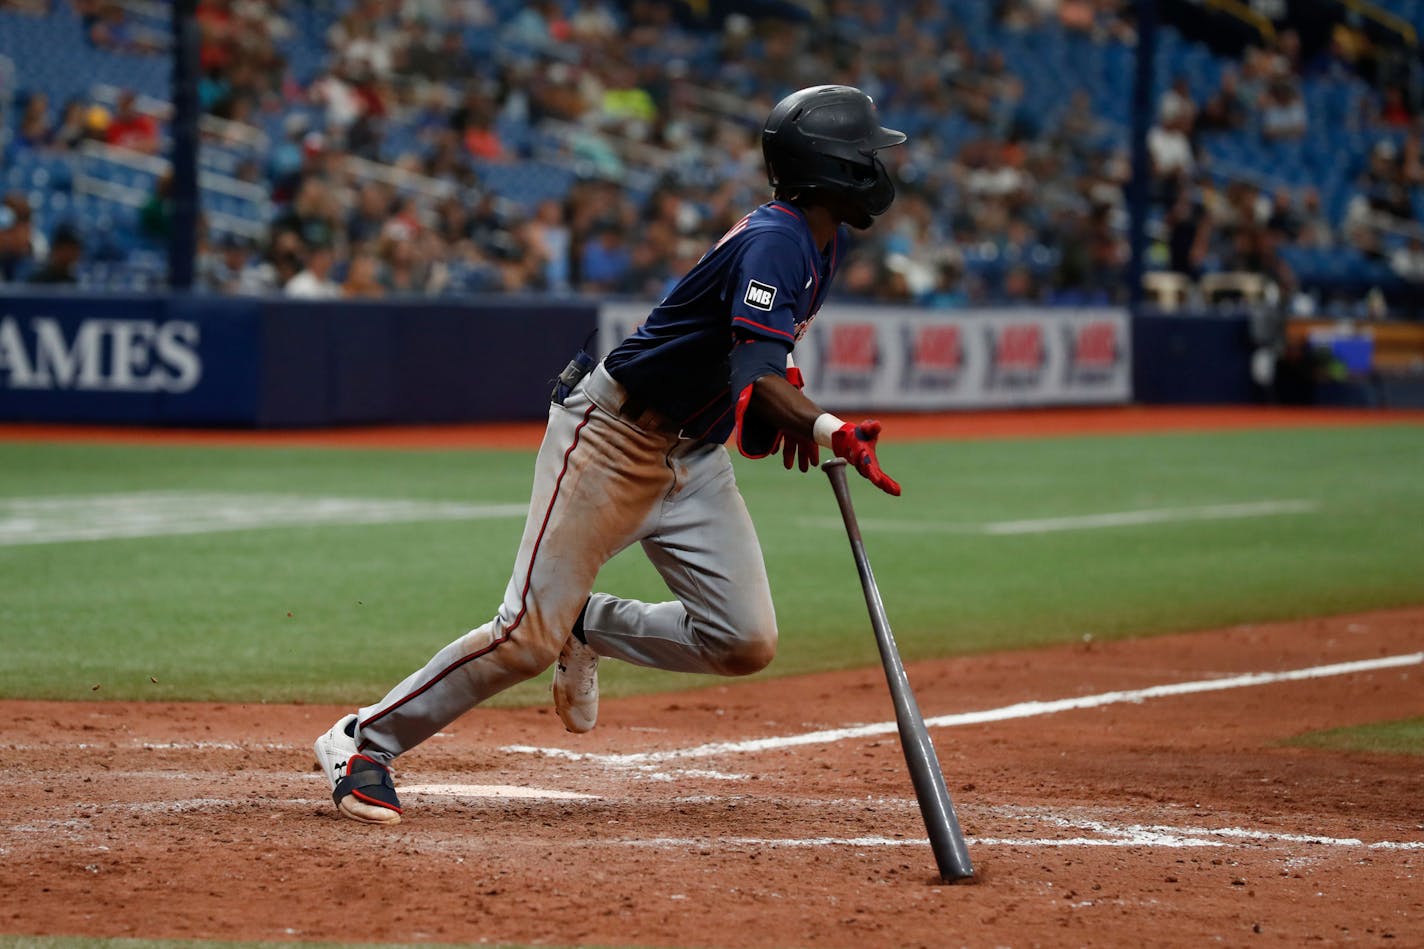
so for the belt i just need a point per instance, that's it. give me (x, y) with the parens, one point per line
(611, 395)
(648, 418)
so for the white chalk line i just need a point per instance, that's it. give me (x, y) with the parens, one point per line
(657, 774)
(1005, 713)
(644, 772)
(1109, 834)
(1239, 833)
(693, 843)
(498, 791)
(139, 745)
(60, 519)
(1079, 522)
(1141, 837)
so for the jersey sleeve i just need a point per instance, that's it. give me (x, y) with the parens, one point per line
(766, 287)
(751, 359)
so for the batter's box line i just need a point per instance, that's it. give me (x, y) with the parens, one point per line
(1002, 714)
(1128, 835)
(1109, 834)
(683, 843)
(1211, 834)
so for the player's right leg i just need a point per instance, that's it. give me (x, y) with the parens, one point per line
(705, 547)
(597, 484)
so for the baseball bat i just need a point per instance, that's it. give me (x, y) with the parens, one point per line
(946, 839)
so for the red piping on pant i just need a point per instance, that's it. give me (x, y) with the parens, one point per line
(523, 596)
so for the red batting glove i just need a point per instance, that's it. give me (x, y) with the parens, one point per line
(804, 450)
(856, 444)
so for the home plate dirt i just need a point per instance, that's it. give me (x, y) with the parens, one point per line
(1113, 794)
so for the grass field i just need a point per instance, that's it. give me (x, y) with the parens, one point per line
(1173, 532)
(1403, 737)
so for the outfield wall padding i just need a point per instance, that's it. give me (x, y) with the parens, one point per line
(276, 362)
(883, 358)
(1192, 359)
(198, 360)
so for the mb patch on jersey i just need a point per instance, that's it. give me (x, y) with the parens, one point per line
(759, 295)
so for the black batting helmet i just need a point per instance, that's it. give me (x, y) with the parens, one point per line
(825, 138)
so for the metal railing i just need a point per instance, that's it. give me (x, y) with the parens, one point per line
(1244, 12)
(237, 133)
(1387, 20)
(362, 169)
(723, 104)
(86, 182)
(642, 164)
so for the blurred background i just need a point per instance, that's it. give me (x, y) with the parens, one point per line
(442, 147)
(372, 183)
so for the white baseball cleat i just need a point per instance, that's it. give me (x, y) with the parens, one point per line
(576, 686)
(361, 786)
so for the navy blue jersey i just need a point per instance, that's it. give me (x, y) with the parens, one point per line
(761, 284)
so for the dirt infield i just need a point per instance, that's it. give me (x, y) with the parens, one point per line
(1168, 817)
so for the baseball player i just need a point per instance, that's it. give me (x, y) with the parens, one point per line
(635, 452)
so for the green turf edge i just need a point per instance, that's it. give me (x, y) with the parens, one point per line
(1402, 737)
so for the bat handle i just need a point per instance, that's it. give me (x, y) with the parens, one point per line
(835, 470)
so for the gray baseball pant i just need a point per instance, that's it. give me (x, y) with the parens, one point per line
(601, 484)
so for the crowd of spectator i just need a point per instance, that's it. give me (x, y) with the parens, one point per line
(123, 125)
(1245, 224)
(1023, 206)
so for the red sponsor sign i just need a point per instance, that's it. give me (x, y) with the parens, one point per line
(1095, 345)
(852, 348)
(938, 347)
(1019, 348)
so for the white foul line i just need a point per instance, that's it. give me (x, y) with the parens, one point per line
(1005, 713)
(65, 518)
(498, 791)
(1129, 831)
(1129, 836)
(1078, 522)
(1209, 512)
(1111, 834)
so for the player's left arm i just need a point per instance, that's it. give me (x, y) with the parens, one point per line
(764, 291)
(769, 402)
(767, 290)
(760, 432)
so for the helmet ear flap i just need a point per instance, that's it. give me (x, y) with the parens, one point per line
(881, 194)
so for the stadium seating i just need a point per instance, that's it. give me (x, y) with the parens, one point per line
(50, 54)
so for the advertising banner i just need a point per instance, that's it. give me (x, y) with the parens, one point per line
(135, 359)
(273, 362)
(889, 359)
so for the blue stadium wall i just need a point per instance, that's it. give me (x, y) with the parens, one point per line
(196, 360)
(160, 360)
